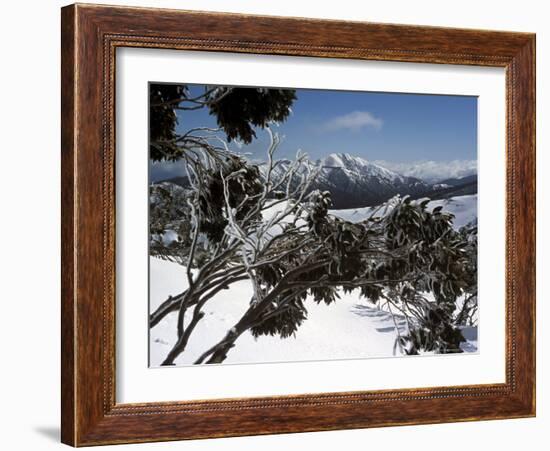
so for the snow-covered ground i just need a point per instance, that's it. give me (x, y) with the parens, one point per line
(349, 328)
(463, 207)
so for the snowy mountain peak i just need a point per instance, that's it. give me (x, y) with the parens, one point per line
(359, 167)
(343, 160)
(354, 181)
(333, 160)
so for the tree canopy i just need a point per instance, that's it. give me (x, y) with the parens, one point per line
(237, 112)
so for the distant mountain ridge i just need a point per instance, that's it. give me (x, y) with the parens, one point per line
(460, 181)
(355, 182)
(455, 187)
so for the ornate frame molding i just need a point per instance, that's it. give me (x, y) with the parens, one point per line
(90, 36)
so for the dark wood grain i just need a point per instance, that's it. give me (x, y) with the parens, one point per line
(90, 36)
(68, 338)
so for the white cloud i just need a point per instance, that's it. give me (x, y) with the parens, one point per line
(433, 171)
(354, 121)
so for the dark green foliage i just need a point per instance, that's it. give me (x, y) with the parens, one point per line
(169, 211)
(270, 275)
(237, 112)
(245, 182)
(244, 108)
(340, 239)
(435, 250)
(282, 319)
(445, 263)
(324, 294)
(423, 254)
(466, 315)
(163, 120)
(411, 222)
(372, 292)
(318, 205)
(435, 333)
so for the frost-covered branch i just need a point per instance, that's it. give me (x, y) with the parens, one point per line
(254, 222)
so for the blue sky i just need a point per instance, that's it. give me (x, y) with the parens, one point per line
(405, 132)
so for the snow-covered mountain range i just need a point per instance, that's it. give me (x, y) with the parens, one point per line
(355, 182)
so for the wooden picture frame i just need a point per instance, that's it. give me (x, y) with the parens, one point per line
(90, 36)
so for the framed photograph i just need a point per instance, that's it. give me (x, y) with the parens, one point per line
(279, 225)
